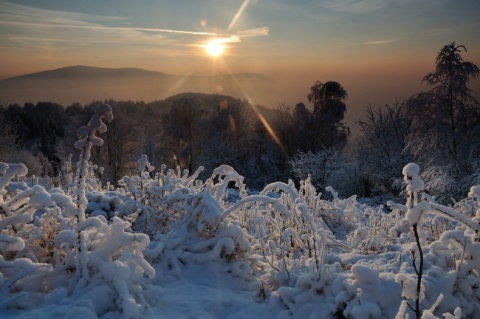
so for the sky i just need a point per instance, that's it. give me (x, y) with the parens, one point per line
(379, 50)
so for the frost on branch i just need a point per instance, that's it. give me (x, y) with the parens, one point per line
(224, 175)
(414, 183)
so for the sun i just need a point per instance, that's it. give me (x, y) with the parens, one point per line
(214, 48)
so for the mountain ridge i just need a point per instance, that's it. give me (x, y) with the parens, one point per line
(86, 71)
(83, 70)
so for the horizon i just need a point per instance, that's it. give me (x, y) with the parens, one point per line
(379, 51)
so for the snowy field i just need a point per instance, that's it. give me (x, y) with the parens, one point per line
(167, 245)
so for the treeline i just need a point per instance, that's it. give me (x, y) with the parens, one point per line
(439, 129)
(188, 130)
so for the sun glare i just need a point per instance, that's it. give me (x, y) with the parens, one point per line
(214, 48)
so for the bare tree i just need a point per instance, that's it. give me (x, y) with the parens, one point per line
(382, 141)
(225, 136)
(181, 129)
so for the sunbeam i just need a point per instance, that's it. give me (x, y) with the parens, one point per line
(259, 115)
(238, 14)
(267, 126)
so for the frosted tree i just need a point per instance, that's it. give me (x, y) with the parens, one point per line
(381, 146)
(446, 122)
(325, 167)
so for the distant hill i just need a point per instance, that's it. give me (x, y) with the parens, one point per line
(79, 71)
(85, 83)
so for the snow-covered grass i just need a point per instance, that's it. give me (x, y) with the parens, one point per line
(168, 245)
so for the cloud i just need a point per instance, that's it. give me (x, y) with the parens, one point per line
(237, 37)
(354, 6)
(102, 27)
(369, 6)
(379, 42)
(21, 13)
(264, 31)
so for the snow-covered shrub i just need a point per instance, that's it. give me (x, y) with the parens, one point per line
(378, 231)
(263, 235)
(49, 246)
(439, 261)
(23, 249)
(289, 237)
(184, 219)
(327, 167)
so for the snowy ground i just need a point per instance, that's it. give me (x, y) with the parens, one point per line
(201, 291)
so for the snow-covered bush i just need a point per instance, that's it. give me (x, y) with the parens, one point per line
(272, 238)
(49, 246)
(443, 262)
(327, 167)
